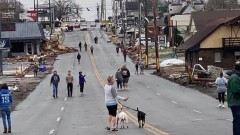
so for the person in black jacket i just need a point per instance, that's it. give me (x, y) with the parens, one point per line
(80, 46)
(79, 58)
(126, 75)
(55, 79)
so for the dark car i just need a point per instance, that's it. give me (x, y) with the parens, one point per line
(70, 27)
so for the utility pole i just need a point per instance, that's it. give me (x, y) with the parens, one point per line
(97, 11)
(154, 3)
(105, 10)
(37, 10)
(146, 33)
(50, 17)
(140, 29)
(102, 10)
(123, 22)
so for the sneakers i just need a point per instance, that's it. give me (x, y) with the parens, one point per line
(221, 105)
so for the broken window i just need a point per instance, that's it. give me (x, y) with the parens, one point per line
(218, 57)
(17, 47)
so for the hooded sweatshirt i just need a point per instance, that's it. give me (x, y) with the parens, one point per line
(6, 99)
(233, 91)
(55, 79)
(81, 78)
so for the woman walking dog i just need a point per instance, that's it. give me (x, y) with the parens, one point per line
(111, 98)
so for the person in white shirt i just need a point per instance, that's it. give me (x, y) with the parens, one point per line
(111, 98)
(221, 83)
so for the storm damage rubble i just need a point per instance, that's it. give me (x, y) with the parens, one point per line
(19, 70)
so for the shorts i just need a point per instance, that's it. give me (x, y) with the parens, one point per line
(112, 110)
(125, 80)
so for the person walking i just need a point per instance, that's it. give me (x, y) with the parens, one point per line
(80, 46)
(5, 106)
(126, 75)
(221, 83)
(233, 99)
(81, 82)
(96, 40)
(119, 79)
(78, 58)
(125, 54)
(111, 98)
(141, 65)
(55, 79)
(91, 48)
(35, 69)
(136, 66)
(85, 45)
(69, 80)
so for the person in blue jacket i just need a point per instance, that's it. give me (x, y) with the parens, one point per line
(5, 106)
(81, 82)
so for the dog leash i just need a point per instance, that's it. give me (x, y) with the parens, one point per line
(127, 107)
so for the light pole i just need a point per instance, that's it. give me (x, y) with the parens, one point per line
(140, 29)
(146, 33)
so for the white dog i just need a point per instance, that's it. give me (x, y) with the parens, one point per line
(122, 118)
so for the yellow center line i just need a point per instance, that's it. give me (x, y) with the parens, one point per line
(131, 117)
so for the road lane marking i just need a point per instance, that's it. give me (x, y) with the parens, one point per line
(174, 102)
(148, 127)
(62, 108)
(58, 119)
(148, 87)
(65, 99)
(197, 111)
(159, 94)
(51, 132)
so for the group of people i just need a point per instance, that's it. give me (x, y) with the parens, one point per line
(55, 79)
(232, 86)
(85, 46)
(139, 64)
(122, 77)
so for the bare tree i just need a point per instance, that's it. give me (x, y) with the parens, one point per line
(222, 4)
(64, 8)
(10, 8)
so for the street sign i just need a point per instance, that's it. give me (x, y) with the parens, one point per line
(162, 40)
(4, 43)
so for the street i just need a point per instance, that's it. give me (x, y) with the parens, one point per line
(170, 108)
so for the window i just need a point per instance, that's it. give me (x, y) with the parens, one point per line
(218, 56)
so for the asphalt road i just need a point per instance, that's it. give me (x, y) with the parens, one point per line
(170, 108)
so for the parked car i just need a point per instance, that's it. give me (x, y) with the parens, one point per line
(77, 25)
(83, 28)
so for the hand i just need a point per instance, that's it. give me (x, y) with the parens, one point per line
(126, 99)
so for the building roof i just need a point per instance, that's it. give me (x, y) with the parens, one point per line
(203, 33)
(202, 18)
(25, 30)
(188, 9)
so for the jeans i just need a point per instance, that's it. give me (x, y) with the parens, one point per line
(119, 84)
(55, 90)
(125, 58)
(81, 87)
(70, 89)
(35, 73)
(236, 119)
(6, 117)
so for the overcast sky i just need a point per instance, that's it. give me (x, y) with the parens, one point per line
(91, 4)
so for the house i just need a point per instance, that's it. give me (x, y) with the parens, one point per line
(25, 37)
(217, 44)
(201, 18)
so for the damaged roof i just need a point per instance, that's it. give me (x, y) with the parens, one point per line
(202, 18)
(25, 30)
(203, 33)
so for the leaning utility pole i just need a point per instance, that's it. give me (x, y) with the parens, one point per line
(123, 22)
(154, 3)
(146, 33)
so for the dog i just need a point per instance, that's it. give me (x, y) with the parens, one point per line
(122, 118)
(141, 118)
